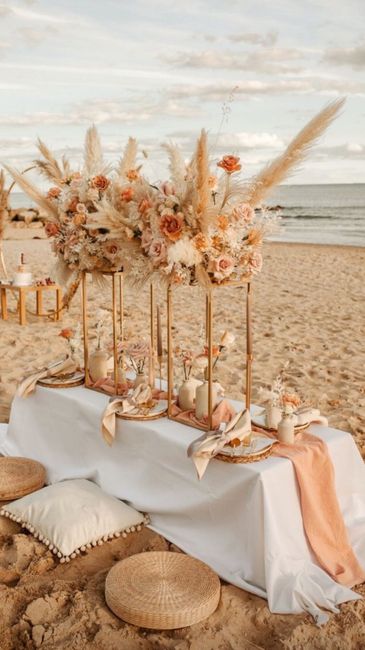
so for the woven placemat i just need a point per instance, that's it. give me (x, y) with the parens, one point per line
(20, 476)
(162, 590)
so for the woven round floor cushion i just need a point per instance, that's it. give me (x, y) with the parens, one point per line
(162, 590)
(19, 477)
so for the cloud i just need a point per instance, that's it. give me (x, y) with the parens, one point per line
(229, 142)
(349, 56)
(270, 38)
(101, 112)
(268, 60)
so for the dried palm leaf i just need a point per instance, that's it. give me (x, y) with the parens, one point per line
(281, 167)
(33, 193)
(128, 160)
(49, 167)
(93, 156)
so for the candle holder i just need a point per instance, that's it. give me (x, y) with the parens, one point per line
(113, 384)
(207, 423)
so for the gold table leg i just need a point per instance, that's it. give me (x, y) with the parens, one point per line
(39, 302)
(22, 312)
(58, 304)
(4, 306)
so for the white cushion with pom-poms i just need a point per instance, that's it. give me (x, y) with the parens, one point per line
(73, 516)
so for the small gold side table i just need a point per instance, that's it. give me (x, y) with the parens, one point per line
(22, 292)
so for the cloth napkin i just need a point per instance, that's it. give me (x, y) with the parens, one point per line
(223, 412)
(28, 384)
(307, 414)
(141, 395)
(202, 450)
(322, 517)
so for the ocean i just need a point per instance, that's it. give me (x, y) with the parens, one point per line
(321, 214)
(315, 214)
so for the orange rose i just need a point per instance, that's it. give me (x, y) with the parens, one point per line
(66, 333)
(132, 174)
(127, 194)
(51, 229)
(100, 182)
(171, 226)
(53, 193)
(291, 398)
(73, 204)
(230, 164)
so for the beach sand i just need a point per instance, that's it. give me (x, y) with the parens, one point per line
(309, 309)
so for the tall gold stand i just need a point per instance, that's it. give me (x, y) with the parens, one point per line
(210, 344)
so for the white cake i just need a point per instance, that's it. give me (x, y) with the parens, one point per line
(22, 277)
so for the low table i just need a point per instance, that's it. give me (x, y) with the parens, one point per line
(23, 292)
(243, 520)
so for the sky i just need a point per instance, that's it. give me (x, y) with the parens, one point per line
(251, 72)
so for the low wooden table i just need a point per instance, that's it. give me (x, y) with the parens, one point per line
(22, 292)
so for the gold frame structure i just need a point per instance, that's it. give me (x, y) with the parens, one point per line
(117, 291)
(209, 340)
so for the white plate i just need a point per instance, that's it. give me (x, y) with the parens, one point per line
(258, 444)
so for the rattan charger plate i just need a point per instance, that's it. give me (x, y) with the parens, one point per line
(162, 590)
(233, 455)
(19, 477)
(63, 381)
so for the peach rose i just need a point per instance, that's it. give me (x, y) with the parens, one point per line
(291, 398)
(127, 194)
(157, 251)
(244, 213)
(230, 164)
(112, 249)
(53, 193)
(222, 267)
(51, 229)
(100, 183)
(171, 225)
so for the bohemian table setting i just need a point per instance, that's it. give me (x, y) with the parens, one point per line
(243, 520)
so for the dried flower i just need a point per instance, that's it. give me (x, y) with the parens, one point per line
(171, 226)
(157, 251)
(72, 206)
(66, 333)
(255, 262)
(254, 237)
(227, 339)
(100, 183)
(144, 205)
(53, 193)
(132, 174)
(230, 164)
(291, 399)
(222, 267)
(79, 219)
(200, 242)
(201, 362)
(51, 229)
(244, 213)
(127, 194)
(223, 222)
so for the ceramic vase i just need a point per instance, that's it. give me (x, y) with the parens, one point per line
(201, 400)
(187, 392)
(140, 379)
(286, 429)
(98, 365)
(272, 416)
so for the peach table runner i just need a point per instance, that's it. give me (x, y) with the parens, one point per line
(322, 518)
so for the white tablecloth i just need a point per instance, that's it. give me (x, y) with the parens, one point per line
(243, 520)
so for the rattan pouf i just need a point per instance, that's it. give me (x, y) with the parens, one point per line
(19, 477)
(162, 590)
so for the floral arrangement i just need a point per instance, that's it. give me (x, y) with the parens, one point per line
(204, 225)
(279, 395)
(137, 353)
(199, 361)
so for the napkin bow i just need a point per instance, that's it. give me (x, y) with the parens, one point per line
(28, 384)
(207, 446)
(140, 396)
